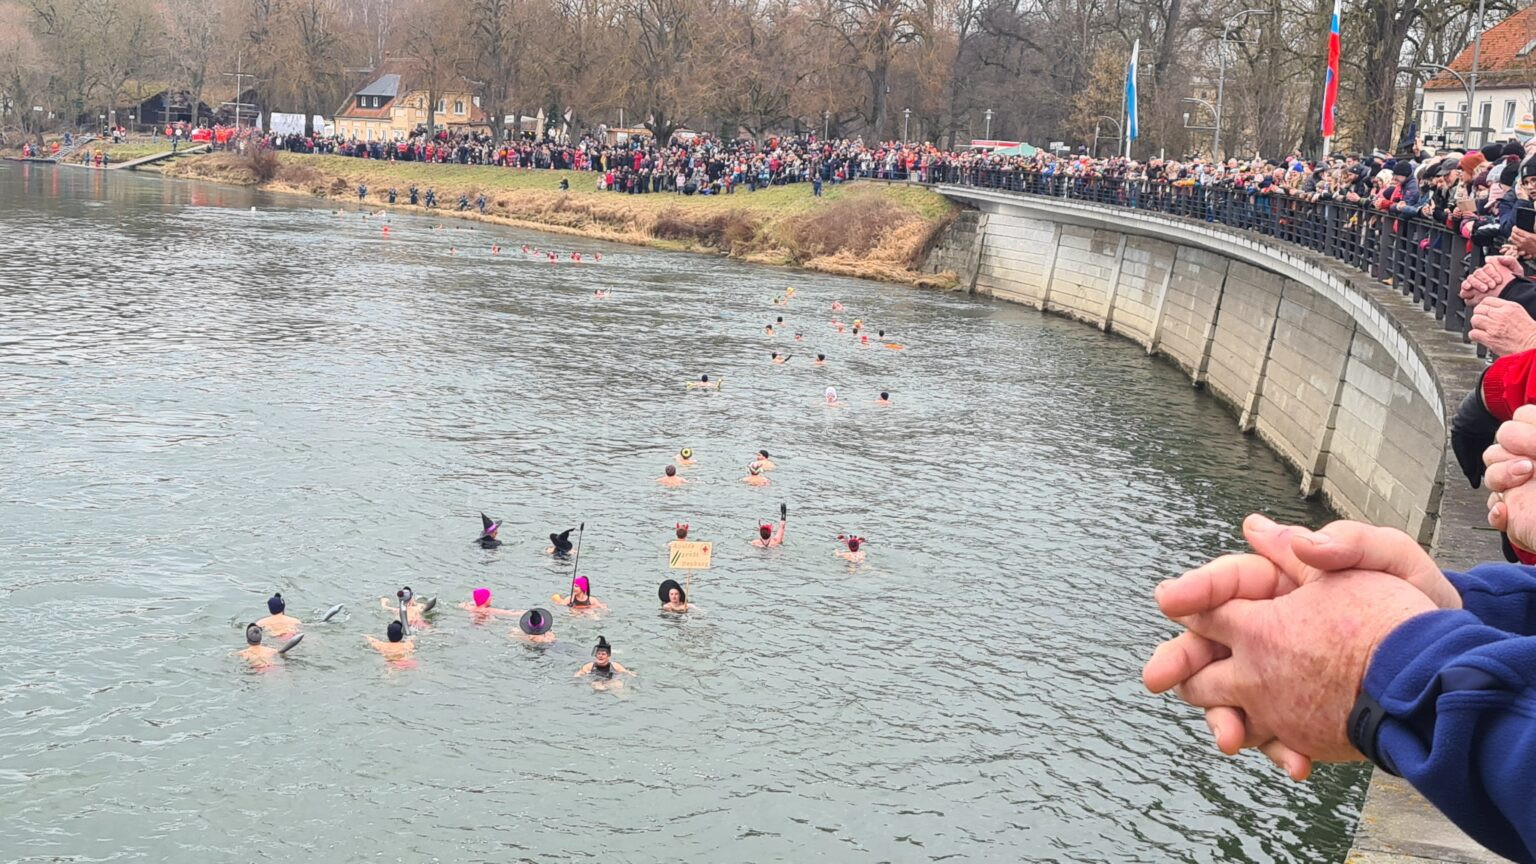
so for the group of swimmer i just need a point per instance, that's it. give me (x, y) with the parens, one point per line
(535, 625)
(528, 251)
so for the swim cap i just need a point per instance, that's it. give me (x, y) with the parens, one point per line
(703, 377)
(831, 392)
(253, 634)
(763, 453)
(686, 453)
(482, 596)
(884, 395)
(602, 645)
(765, 531)
(275, 604)
(821, 356)
(671, 470)
(396, 631)
(853, 543)
(582, 583)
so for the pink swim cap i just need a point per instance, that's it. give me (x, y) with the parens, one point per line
(582, 583)
(482, 596)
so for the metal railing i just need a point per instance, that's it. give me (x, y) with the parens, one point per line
(1424, 260)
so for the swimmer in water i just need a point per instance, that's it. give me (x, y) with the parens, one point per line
(767, 537)
(855, 552)
(755, 476)
(837, 325)
(488, 529)
(831, 395)
(864, 339)
(260, 655)
(670, 479)
(885, 398)
(789, 292)
(277, 623)
(764, 462)
(768, 330)
(685, 457)
(821, 360)
(703, 384)
(581, 597)
(777, 360)
(560, 544)
(415, 613)
(779, 321)
(799, 336)
(481, 604)
(399, 646)
(534, 628)
(682, 531)
(672, 596)
(603, 667)
(601, 294)
(836, 306)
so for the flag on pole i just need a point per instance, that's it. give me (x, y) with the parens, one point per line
(1331, 83)
(1130, 96)
(567, 115)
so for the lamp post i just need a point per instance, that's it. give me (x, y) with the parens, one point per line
(1208, 106)
(1477, 50)
(826, 125)
(1466, 86)
(1097, 121)
(906, 117)
(1221, 77)
(988, 114)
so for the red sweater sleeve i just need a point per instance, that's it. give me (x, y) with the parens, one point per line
(1510, 383)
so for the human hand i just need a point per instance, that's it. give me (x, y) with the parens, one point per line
(1297, 661)
(1490, 279)
(1512, 498)
(1524, 242)
(1503, 327)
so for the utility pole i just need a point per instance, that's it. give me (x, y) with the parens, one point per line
(239, 74)
(1477, 50)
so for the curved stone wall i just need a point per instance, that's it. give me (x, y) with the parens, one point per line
(1346, 379)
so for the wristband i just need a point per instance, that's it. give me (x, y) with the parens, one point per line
(1364, 729)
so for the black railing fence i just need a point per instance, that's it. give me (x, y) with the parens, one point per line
(1423, 260)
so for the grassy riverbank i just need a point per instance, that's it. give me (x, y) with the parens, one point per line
(870, 230)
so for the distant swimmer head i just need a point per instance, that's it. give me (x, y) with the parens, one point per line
(396, 631)
(775, 355)
(854, 543)
(682, 530)
(779, 320)
(405, 594)
(671, 592)
(602, 650)
(562, 541)
(765, 531)
(885, 396)
(686, 452)
(763, 453)
(820, 357)
(488, 526)
(253, 634)
(482, 596)
(831, 394)
(704, 379)
(671, 470)
(275, 604)
(882, 334)
(581, 584)
(535, 622)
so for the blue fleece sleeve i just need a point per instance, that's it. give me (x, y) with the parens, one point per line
(1502, 596)
(1460, 700)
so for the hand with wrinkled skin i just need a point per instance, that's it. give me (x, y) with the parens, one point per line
(1524, 243)
(1502, 326)
(1511, 462)
(1297, 661)
(1490, 279)
(1288, 557)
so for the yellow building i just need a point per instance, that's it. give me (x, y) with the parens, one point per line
(390, 106)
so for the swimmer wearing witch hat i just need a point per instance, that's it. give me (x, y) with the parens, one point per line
(603, 666)
(260, 655)
(480, 604)
(560, 544)
(672, 596)
(277, 623)
(488, 529)
(684, 457)
(534, 627)
(767, 537)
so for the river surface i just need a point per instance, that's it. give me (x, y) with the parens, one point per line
(211, 394)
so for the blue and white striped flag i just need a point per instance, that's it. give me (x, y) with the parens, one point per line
(1130, 96)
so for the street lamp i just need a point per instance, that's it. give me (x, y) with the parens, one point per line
(988, 114)
(826, 125)
(1221, 78)
(1096, 135)
(906, 116)
(1466, 86)
(1208, 106)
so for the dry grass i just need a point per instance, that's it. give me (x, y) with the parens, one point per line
(870, 230)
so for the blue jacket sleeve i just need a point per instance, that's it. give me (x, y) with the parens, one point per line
(1502, 596)
(1460, 704)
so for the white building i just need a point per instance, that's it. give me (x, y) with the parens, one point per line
(1506, 85)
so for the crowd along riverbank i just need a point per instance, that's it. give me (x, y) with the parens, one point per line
(868, 230)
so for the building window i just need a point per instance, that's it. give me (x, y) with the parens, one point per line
(477, 101)
(1509, 114)
(1461, 112)
(1486, 121)
(1439, 116)
(442, 106)
(458, 106)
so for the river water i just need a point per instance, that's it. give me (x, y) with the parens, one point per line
(211, 394)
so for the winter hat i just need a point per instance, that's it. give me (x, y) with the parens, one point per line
(1402, 169)
(1470, 162)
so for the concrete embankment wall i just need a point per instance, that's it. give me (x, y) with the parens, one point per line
(1324, 367)
(1342, 376)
